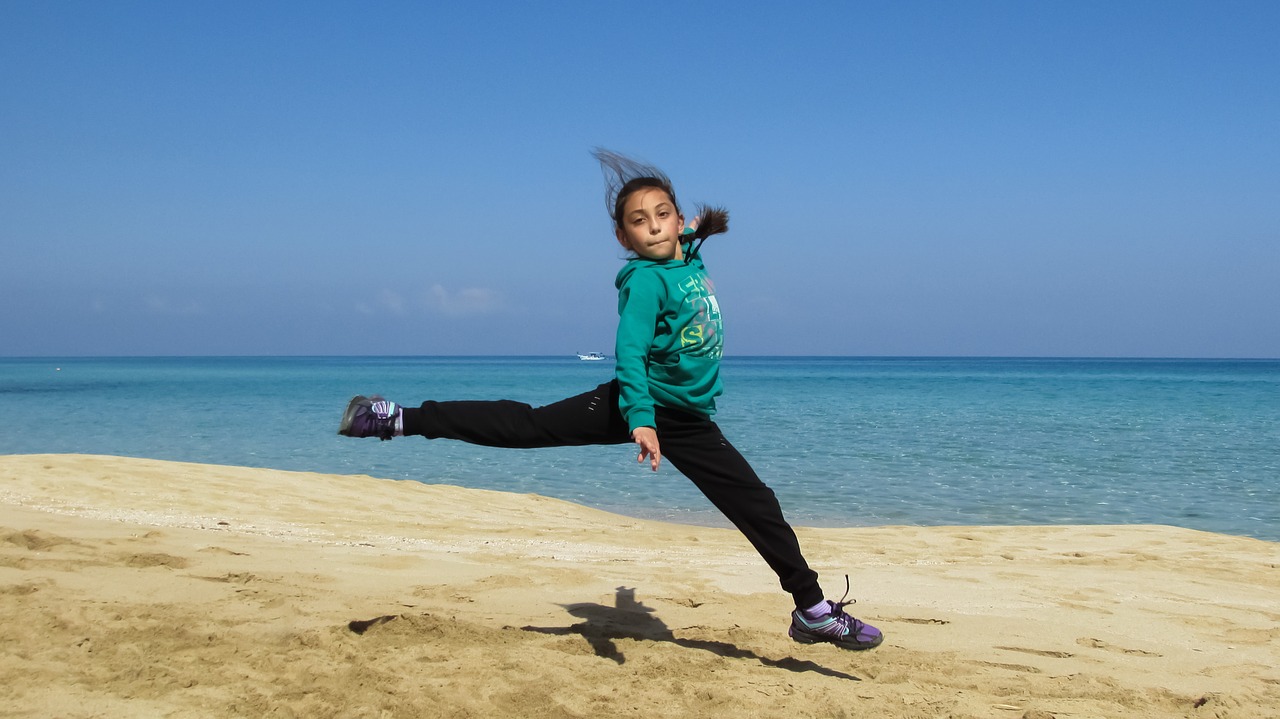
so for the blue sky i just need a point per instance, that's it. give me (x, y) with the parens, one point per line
(904, 178)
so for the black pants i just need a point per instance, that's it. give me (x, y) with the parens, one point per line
(693, 444)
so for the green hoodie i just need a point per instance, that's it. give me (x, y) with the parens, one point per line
(669, 339)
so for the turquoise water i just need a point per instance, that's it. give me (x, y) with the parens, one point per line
(843, 441)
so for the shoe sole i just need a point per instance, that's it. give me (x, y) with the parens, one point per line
(806, 638)
(349, 416)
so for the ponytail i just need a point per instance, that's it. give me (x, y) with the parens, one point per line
(711, 221)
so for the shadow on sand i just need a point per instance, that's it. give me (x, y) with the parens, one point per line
(630, 619)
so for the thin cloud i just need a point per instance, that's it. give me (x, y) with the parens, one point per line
(465, 302)
(386, 302)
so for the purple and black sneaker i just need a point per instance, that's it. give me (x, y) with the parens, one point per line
(369, 417)
(835, 627)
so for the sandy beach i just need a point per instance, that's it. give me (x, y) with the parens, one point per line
(140, 588)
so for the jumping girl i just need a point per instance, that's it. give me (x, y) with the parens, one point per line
(662, 398)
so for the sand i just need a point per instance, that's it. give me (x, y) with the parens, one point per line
(140, 588)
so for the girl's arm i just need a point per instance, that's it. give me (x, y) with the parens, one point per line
(639, 304)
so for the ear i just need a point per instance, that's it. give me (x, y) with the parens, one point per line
(622, 239)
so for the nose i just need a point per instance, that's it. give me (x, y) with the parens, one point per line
(654, 227)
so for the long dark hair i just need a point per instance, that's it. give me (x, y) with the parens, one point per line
(623, 176)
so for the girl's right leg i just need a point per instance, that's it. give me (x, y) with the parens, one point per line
(700, 451)
(589, 418)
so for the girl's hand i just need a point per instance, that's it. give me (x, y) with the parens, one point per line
(647, 438)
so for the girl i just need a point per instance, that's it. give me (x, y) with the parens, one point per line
(667, 378)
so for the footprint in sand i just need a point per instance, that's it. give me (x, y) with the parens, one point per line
(153, 559)
(224, 550)
(32, 539)
(1038, 652)
(1099, 644)
(233, 578)
(1023, 668)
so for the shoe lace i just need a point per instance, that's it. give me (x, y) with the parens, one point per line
(381, 408)
(841, 617)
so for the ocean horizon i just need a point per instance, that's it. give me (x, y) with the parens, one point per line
(844, 441)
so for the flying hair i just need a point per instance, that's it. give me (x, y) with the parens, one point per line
(623, 176)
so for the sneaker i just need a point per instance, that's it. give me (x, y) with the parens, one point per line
(369, 417)
(836, 627)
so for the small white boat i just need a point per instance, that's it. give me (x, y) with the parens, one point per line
(591, 357)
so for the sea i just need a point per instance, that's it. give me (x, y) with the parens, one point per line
(843, 441)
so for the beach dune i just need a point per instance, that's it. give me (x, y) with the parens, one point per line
(142, 588)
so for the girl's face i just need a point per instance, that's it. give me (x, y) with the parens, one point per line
(651, 225)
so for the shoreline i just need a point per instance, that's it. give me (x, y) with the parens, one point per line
(146, 587)
(705, 517)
